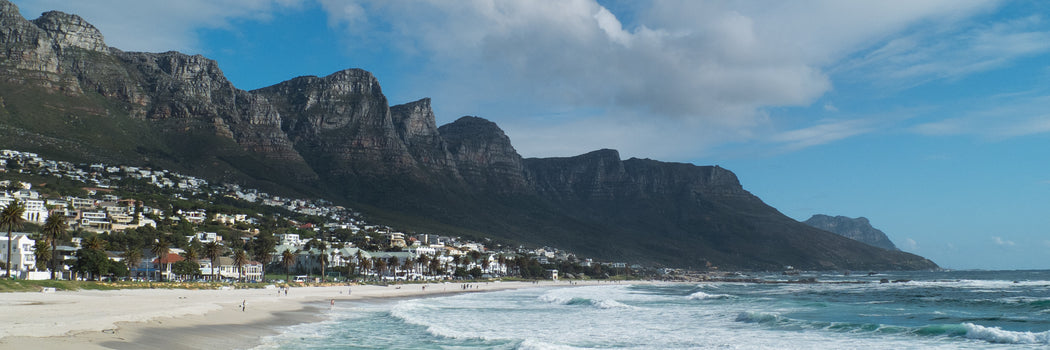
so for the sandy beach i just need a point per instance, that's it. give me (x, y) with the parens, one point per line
(185, 319)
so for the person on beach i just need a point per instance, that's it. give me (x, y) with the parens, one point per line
(244, 304)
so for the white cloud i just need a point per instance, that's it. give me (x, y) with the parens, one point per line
(1002, 242)
(157, 26)
(949, 52)
(718, 63)
(997, 118)
(911, 244)
(819, 134)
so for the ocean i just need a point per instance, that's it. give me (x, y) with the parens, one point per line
(922, 310)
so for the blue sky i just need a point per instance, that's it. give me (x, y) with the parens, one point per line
(930, 118)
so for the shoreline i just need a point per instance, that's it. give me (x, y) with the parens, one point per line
(191, 319)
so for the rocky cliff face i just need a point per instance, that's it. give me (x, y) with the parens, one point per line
(416, 126)
(29, 54)
(70, 31)
(484, 156)
(341, 123)
(338, 135)
(858, 229)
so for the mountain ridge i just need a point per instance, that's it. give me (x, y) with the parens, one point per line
(858, 229)
(337, 136)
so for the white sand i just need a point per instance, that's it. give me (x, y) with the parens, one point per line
(178, 318)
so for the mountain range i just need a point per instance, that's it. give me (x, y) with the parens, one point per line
(66, 94)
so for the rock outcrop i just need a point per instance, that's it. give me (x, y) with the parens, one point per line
(858, 229)
(341, 123)
(417, 127)
(484, 156)
(70, 31)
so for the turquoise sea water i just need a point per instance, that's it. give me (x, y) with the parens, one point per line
(933, 310)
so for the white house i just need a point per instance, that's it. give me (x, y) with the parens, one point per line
(22, 258)
(291, 239)
(207, 237)
(35, 210)
(251, 272)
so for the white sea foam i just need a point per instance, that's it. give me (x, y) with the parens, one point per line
(997, 335)
(703, 296)
(598, 303)
(530, 344)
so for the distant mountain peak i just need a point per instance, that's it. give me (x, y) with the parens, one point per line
(858, 229)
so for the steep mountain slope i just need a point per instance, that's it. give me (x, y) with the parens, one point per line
(858, 229)
(66, 94)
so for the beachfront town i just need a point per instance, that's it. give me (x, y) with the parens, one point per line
(174, 227)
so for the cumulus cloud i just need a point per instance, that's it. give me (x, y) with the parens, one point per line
(718, 65)
(156, 26)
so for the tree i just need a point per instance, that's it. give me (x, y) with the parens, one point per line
(42, 252)
(192, 253)
(380, 265)
(214, 250)
(322, 259)
(424, 261)
(186, 268)
(288, 259)
(240, 258)
(263, 249)
(54, 228)
(160, 249)
(92, 262)
(95, 243)
(11, 217)
(193, 250)
(132, 257)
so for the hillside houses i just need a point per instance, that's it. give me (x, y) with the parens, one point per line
(417, 256)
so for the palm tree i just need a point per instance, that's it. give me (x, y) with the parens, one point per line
(322, 258)
(380, 266)
(364, 264)
(160, 249)
(11, 217)
(424, 261)
(54, 228)
(263, 253)
(324, 255)
(42, 252)
(192, 253)
(240, 258)
(408, 266)
(359, 258)
(95, 243)
(288, 259)
(213, 250)
(132, 258)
